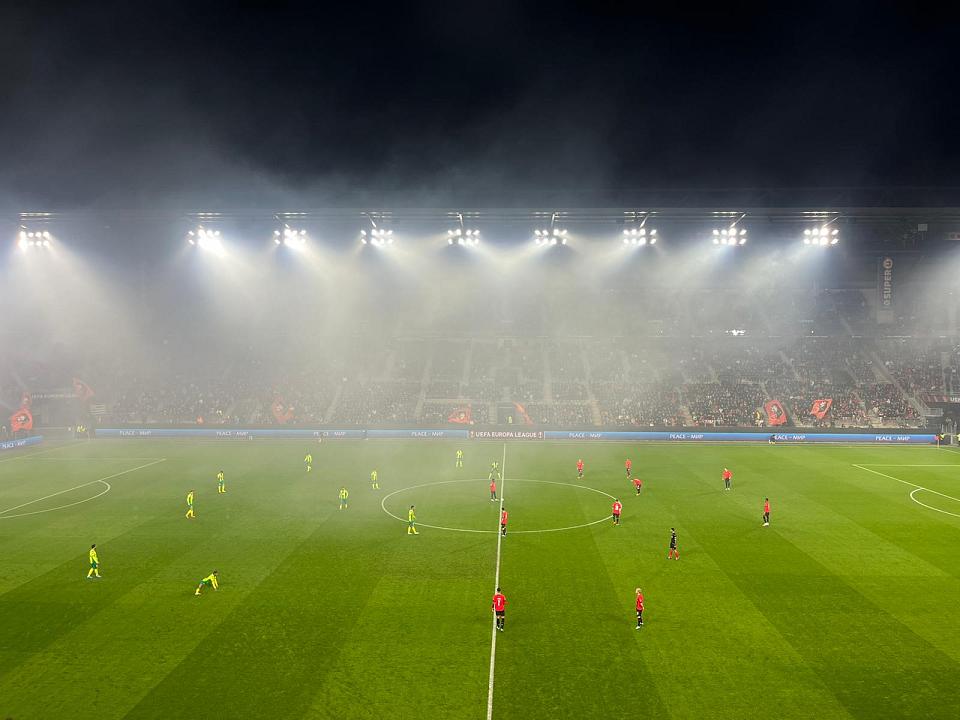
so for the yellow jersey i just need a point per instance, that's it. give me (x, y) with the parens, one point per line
(344, 494)
(189, 498)
(411, 516)
(93, 556)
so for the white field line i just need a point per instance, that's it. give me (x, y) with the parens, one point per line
(103, 480)
(496, 584)
(605, 518)
(104, 457)
(917, 488)
(39, 452)
(913, 497)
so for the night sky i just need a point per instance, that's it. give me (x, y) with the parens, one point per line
(142, 105)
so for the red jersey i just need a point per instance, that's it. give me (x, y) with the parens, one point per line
(628, 464)
(617, 507)
(579, 464)
(727, 475)
(493, 486)
(637, 482)
(499, 602)
(640, 602)
(503, 518)
(766, 506)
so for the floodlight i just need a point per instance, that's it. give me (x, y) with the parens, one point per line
(731, 235)
(28, 239)
(639, 236)
(821, 236)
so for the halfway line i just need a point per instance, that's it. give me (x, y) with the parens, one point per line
(496, 584)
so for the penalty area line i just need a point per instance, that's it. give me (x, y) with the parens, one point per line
(917, 488)
(25, 456)
(103, 480)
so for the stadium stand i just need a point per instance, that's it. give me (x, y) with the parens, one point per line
(682, 367)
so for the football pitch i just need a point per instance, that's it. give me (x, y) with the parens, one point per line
(845, 606)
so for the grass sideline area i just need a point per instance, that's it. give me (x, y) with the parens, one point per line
(845, 606)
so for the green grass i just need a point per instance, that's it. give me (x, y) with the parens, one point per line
(846, 606)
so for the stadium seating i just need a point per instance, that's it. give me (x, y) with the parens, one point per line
(679, 369)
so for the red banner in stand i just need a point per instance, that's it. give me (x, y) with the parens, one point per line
(82, 390)
(522, 412)
(776, 415)
(820, 408)
(461, 416)
(22, 419)
(281, 413)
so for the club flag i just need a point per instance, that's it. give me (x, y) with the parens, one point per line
(522, 412)
(281, 413)
(820, 408)
(776, 415)
(22, 419)
(82, 390)
(461, 416)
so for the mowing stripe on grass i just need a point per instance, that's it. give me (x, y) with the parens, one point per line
(496, 584)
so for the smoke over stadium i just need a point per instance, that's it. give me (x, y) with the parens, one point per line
(428, 361)
(565, 319)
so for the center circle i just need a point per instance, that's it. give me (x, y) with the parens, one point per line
(479, 481)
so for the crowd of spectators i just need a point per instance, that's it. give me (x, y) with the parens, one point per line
(723, 404)
(607, 361)
(917, 367)
(486, 390)
(888, 404)
(708, 380)
(443, 389)
(569, 392)
(530, 391)
(377, 402)
(951, 374)
(737, 359)
(630, 405)
(572, 415)
(798, 396)
(440, 413)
